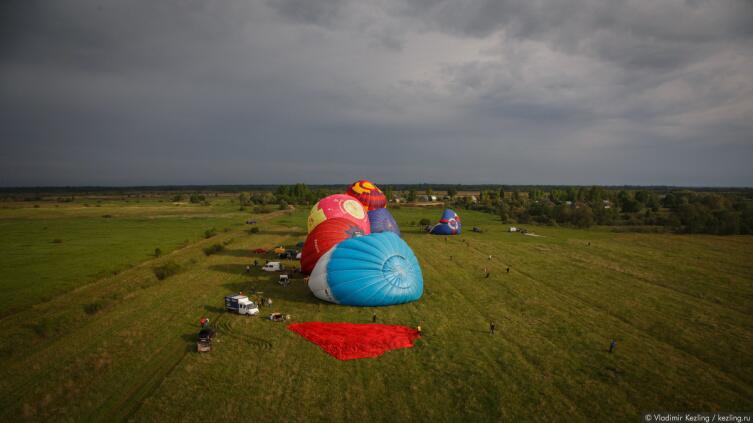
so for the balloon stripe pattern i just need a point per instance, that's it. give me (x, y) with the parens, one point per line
(368, 194)
(375, 270)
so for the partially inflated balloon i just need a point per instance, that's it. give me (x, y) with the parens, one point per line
(339, 205)
(368, 194)
(381, 220)
(325, 236)
(449, 224)
(373, 270)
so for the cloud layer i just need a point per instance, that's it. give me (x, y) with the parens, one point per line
(328, 91)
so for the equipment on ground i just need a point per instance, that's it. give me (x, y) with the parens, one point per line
(279, 317)
(204, 343)
(284, 280)
(241, 304)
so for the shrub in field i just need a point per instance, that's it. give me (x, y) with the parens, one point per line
(41, 328)
(93, 308)
(210, 233)
(253, 231)
(107, 216)
(165, 270)
(213, 249)
(57, 241)
(157, 252)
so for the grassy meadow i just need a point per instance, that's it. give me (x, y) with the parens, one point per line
(680, 308)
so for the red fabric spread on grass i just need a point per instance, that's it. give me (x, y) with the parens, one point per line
(348, 341)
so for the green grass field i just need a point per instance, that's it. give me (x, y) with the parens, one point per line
(680, 308)
(51, 250)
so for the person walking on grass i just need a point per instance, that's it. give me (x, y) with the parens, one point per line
(492, 325)
(418, 329)
(612, 346)
(373, 317)
(508, 269)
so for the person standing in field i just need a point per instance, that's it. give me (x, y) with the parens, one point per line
(612, 346)
(373, 317)
(418, 329)
(508, 269)
(492, 325)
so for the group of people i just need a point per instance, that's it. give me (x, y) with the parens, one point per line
(263, 301)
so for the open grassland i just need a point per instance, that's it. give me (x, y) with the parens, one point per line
(54, 248)
(680, 308)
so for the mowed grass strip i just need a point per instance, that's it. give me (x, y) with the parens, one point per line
(681, 345)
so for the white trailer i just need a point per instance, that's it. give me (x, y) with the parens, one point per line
(241, 304)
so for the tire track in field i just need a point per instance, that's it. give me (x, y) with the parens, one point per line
(571, 402)
(640, 331)
(571, 298)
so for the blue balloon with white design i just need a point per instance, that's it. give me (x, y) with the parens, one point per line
(449, 224)
(373, 270)
(381, 220)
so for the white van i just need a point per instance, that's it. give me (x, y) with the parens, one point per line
(272, 266)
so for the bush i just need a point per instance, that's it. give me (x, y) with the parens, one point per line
(92, 308)
(262, 210)
(253, 231)
(41, 328)
(166, 270)
(213, 249)
(424, 222)
(107, 216)
(157, 252)
(57, 241)
(210, 233)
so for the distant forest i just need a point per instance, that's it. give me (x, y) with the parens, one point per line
(710, 210)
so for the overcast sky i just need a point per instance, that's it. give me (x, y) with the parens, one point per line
(149, 92)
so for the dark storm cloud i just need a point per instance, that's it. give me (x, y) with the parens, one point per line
(190, 91)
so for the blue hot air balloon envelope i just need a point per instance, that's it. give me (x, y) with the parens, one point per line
(373, 270)
(381, 220)
(449, 224)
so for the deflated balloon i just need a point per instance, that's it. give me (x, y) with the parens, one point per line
(368, 194)
(339, 205)
(325, 236)
(373, 270)
(449, 224)
(381, 220)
